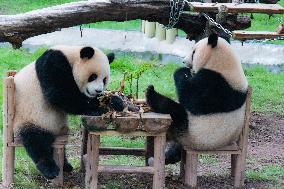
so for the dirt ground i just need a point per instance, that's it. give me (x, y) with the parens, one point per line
(265, 148)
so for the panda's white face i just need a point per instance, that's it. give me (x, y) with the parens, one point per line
(199, 55)
(92, 72)
(96, 85)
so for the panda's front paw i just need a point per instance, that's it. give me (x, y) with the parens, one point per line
(181, 74)
(116, 103)
(150, 96)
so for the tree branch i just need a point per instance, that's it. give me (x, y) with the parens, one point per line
(16, 28)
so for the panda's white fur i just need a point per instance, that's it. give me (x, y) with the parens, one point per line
(218, 129)
(30, 104)
(211, 108)
(64, 80)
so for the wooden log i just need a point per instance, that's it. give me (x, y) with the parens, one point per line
(92, 164)
(58, 156)
(125, 169)
(238, 8)
(8, 134)
(247, 35)
(16, 28)
(159, 162)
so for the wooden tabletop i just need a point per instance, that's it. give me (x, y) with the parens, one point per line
(149, 122)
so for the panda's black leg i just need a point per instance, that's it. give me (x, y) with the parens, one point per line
(67, 167)
(165, 105)
(38, 144)
(173, 152)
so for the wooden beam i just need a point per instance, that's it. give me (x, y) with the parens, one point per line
(238, 8)
(247, 35)
(125, 169)
(122, 151)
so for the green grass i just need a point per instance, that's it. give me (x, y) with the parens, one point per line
(266, 173)
(21, 6)
(268, 92)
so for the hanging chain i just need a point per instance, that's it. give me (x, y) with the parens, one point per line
(176, 11)
(212, 21)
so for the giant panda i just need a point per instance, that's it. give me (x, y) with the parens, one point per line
(63, 80)
(211, 90)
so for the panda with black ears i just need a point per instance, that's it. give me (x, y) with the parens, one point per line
(64, 80)
(211, 90)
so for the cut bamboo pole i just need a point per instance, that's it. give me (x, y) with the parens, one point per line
(92, 164)
(160, 32)
(143, 26)
(171, 35)
(150, 28)
(159, 162)
(8, 115)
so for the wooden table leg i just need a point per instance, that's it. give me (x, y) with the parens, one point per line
(92, 164)
(159, 162)
(191, 169)
(58, 156)
(83, 148)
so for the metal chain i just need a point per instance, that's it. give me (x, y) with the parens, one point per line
(212, 21)
(177, 10)
(175, 13)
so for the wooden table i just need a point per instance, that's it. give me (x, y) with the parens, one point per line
(150, 125)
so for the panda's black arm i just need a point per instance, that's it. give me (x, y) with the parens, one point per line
(182, 78)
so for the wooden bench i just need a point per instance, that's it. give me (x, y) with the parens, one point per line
(249, 35)
(237, 150)
(10, 142)
(149, 125)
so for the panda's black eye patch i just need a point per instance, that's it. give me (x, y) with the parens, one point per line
(105, 79)
(92, 77)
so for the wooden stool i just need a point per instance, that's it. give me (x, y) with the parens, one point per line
(237, 150)
(148, 125)
(10, 142)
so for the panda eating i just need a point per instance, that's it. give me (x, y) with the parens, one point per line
(211, 107)
(64, 80)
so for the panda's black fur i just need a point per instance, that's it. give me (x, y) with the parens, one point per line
(59, 89)
(204, 93)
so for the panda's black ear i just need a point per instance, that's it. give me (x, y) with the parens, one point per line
(110, 57)
(212, 40)
(87, 52)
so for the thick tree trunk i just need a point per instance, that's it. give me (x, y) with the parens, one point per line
(16, 28)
